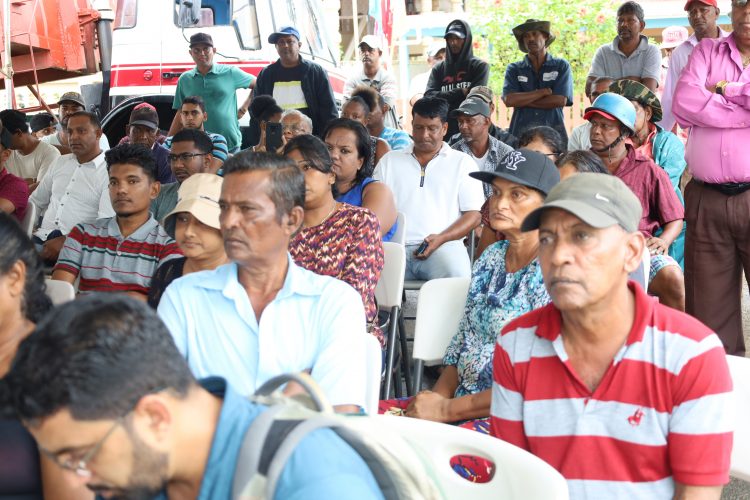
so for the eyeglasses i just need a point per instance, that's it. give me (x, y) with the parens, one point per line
(81, 466)
(184, 157)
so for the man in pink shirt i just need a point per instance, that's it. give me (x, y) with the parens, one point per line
(713, 99)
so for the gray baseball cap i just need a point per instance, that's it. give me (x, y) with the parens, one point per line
(599, 200)
(472, 106)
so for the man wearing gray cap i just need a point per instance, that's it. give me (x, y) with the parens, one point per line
(640, 392)
(69, 103)
(473, 117)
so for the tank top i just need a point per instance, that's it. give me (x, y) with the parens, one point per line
(354, 197)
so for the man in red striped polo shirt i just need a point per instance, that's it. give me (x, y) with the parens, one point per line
(121, 253)
(625, 397)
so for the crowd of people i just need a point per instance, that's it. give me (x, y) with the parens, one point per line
(203, 269)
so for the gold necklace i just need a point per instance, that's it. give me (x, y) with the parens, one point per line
(745, 60)
(335, 205)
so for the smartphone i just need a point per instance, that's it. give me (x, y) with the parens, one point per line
(422, 248)
(273, 136)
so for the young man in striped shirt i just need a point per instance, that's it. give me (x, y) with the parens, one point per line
(120, 254)
(625, 397)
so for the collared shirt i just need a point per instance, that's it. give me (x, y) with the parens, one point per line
(322, 465)
(554, 74)
(677, 62)
(383, 82)
(15, 190)
(108, 262)
(644, 62)
(495, 153)
(218, 89)
(432, 198)
(652, 186)
(314, 322)
(396, 139)
(661, 413)
(72, 193)
(717, 149)
(33, 165)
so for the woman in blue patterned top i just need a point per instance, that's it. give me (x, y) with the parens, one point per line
(506, 283)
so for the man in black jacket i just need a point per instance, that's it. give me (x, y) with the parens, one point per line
(296, 83)
(452, 78)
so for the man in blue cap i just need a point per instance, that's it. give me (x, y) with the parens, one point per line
(217, 85)
(296, 83)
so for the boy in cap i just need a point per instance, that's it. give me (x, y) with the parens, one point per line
(217, 85)
(30, 158)
(539, 85)
(640, 393)
(453, 78)
(295, 83)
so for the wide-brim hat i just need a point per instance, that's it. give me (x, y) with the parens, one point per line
(533, 25)
(199, 195)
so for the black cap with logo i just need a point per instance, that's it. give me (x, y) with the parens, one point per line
(526, 167)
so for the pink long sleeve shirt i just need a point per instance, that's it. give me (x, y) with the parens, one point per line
(717, 148)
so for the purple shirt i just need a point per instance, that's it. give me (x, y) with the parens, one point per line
(15, 190)
(720, 125)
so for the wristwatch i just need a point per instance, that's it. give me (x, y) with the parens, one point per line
(719, 87)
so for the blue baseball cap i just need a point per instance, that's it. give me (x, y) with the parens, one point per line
(284, 31)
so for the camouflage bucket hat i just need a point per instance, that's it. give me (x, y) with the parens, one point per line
(636, 91)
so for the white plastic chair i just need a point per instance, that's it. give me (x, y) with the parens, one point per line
(399, 236)
(439, 309)
(374, 360)
(519, 475)
(739, 368)
(60, 292)
(389, 293)
(29, 218)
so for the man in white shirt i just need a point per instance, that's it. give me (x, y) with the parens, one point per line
(30, 158)
(431, 185)
(702, 16)
(70, 102)
(76, 188)
(580, 135)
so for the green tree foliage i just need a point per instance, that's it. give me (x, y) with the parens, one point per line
(580, 28)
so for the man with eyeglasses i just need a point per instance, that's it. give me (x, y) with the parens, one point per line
(193, 115)
(121, 253)
(712, 98)
(294, 123)
(217, 85)
(295, 83)
(191, 153)
(579, 136)
(105, 393)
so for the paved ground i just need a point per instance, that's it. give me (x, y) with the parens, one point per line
(736, 490)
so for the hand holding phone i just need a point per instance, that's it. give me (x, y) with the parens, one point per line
(273, 136)
(421, 249)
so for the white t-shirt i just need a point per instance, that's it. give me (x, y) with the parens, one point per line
(431, 203)
(579, 137)
(482, 160)
(33, 165)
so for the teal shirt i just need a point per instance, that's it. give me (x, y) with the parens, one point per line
(218, 90)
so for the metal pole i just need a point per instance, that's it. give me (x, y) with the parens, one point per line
(355, 20)
(8, 63)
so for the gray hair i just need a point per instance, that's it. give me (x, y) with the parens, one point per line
(302, 116)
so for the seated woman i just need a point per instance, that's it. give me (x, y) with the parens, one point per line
(348, 144)
(363, 102)
(264, 110)
(506, 282)
(336, 239)
(197, 233)
(24, 473)
(662, 146)
(542, 139)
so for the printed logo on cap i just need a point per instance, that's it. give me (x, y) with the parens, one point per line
(512, 160)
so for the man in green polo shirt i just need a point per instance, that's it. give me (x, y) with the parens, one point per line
(217, 85)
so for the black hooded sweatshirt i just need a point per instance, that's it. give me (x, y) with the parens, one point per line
(451, 76)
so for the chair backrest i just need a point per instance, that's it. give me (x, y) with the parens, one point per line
(390, 288)
(518, 474)
(29, 218)
(739, 368)
(60, 291)
(399, 236)
(439, 309)
(374, 359)
(640, 275)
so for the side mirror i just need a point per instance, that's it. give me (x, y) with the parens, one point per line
(189, 13)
